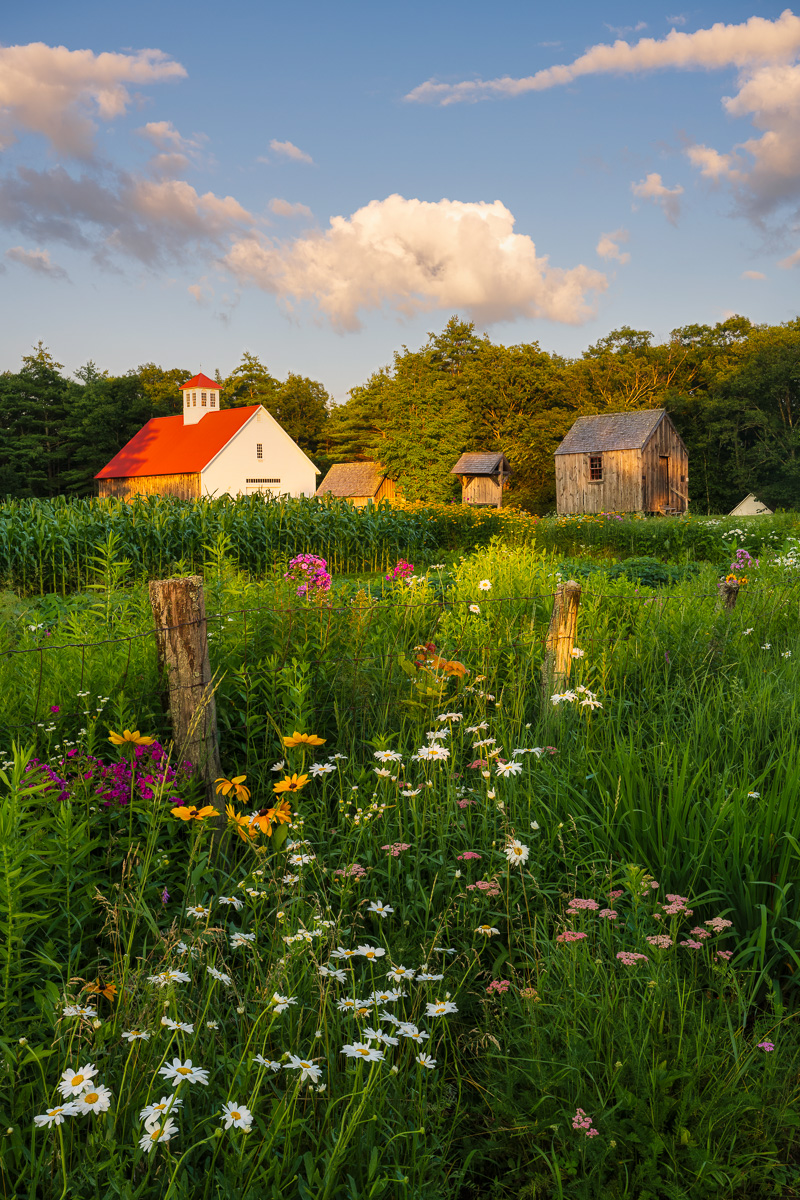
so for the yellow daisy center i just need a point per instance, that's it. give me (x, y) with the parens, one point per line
(91, 1098)
(364, 1052)
(155, 1135)
(76, 1079)
(236, 1116)
(184, 1070)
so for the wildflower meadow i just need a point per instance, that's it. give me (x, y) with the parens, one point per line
(447, 926)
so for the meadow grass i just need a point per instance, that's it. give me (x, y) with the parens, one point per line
(509, 947)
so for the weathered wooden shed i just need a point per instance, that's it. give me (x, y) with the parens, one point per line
(483, 476)
(358, 482)
(623, 462)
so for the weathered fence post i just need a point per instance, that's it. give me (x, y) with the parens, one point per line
(729, 591)
(561, 636)
(182, 639)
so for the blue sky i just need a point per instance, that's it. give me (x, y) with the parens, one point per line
(322, 184)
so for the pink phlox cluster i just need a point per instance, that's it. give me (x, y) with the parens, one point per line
(310, 572)
(490, 887)
(615, 894)
(498, 985)
(466, 803)
(397, 848)
(583, 1124)
(578, 905)
(111, 782)
(403, 571)
(700, 933)
(692, 944)
(677, 904)
(629, 959)
(478, 762)
(571, 935)
(354, 871)
(608, 913)
(662, 940)
(467, 855)
(718, 924)
(743, 561)
(725, 955)
(767, 1046)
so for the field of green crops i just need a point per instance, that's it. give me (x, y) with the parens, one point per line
(513, 941)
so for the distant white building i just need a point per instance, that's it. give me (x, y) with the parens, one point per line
(208, 451)
(750, 507)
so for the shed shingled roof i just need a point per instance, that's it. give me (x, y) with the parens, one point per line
(481, 463)
(352, 479)
(612, 431)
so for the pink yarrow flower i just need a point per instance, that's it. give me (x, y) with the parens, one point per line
(571, 935)
(468, 855)
(583, 1124)
(629, 959)
(766, 1046)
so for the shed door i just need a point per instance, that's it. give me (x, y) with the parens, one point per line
(662, 497)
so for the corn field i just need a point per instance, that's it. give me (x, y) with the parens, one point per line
(52, 545)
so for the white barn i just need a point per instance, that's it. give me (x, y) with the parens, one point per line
(208, 451)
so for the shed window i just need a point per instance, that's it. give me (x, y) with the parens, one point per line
(259, 450)
(596, 468)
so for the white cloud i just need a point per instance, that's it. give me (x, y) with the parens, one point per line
(792, 261)
(678, 19)
(283, 208)
(414, 256)
(754, 42)
(753, 275)
(49, 90)
(37, 261)
(621, 30)
(153, 221)
(289, 150)
(608, 246)
(712, 164)
(653, 188)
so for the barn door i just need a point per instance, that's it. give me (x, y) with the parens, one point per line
(662, 498)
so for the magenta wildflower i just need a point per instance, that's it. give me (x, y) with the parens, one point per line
(583, 1124)
(766, 1046)
(498, 985)
(467, 855)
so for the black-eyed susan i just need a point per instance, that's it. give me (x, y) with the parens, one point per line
(128, 738)
(235, 785)
(265, 818)
(303, 739)
(188, 812)
(240, 822)
(292, 783)
(98, 988)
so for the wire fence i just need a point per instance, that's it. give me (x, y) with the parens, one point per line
(344, 663)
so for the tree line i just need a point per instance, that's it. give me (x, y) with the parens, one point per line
(732, 390)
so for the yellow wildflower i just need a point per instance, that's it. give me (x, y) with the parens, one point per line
(292, 783)
(303, 739)
(190, 813)
(233, 785)
(127, 738)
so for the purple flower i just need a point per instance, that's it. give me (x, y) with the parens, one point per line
(766, 1046)
(54, 708)
(164, 896)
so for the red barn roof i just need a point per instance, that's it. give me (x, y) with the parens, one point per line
(165, 446)
(201, 381)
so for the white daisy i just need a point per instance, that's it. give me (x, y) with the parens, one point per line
(180, 1072)
(220, 976)
(98, 1099)
(516, 853)
(236, 1114)
(487, 930)
(425, 1060)
(334, 973)
(363, 1051)
(77, 1010)
(371, 952)
(308, 1069)
(182, 1025)
(282, 1002)
(72, 1083)
(400, 973)
(380, 908)
(158, 1133)
(267, 1062)
(485, 585)
(241, 939)
(55, 1116)
(440, 1008)
(134, 1035)
(153, 1114)
(199, 911)
(407, 1030)
(234, 900)
(509, 768)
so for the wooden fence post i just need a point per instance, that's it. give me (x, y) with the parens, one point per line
(561, 637)
(729, 590)
(182, 640)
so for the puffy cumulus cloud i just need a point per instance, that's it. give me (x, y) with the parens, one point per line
(713, 165)
(283, 208)
(792, 261)
(753, 42)
(415, 256)
(174, 151)
(153, 221)
(753, 275)
(653, 188)
(53, 91)
(38, 261)
(608, 246)
(289, 150)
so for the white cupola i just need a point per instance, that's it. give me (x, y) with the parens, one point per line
(200, 396)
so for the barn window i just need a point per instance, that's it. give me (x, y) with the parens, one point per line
(262, 480)
(259, 450)
(212, 396)
(194, 399)
(202, 399)
(596, 468)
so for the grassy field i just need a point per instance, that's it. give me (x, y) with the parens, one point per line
(511, 942)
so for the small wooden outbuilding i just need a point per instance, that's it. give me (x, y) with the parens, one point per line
(623, 462)
(750, 507)
(358, 482)
(483, 476)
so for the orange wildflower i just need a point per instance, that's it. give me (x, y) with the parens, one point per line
(126, 738)
(265, 818)
(242, 823)
(188, 812)
(98, 988)
(303, 739)
(292, 783)
(233, 785)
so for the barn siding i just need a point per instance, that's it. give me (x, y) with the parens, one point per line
(185, 487)
(665, 442)
(480, 489)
